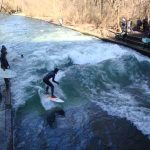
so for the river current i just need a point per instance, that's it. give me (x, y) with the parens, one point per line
(95, 76)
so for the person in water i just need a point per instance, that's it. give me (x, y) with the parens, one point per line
(4, 63)
(48, 83)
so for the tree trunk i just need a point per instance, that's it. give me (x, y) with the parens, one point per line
(1, 5)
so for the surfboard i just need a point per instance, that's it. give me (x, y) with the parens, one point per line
(146, 40)
(46, 101)
(7, 73)
(58, 100)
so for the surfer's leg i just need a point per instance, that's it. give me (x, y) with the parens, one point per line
(51, 85)
(52, 88)
(47, 89)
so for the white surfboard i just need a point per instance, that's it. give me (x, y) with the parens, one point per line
(7, 73)
(46, 100)
(55, 99)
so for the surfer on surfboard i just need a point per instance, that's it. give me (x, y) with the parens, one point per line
(48, 83)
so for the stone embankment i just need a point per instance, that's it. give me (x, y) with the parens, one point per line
(6, 120)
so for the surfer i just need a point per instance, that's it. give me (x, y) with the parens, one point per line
(48, 83)
(4, 63)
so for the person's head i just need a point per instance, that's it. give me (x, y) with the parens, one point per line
(56, 70)
(3, 50)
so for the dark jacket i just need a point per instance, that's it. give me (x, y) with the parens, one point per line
(50, 75)
(4, 62)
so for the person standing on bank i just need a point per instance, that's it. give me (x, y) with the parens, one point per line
(48, 83)
(4, 63)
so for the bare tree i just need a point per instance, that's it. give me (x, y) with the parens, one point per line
(1, 5)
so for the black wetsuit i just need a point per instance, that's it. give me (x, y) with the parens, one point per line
(5, 65)
(4, 62)
(46, 81)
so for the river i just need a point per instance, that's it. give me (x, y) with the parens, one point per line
(105, 88)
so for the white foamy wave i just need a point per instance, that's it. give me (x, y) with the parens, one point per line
(52, 48)
(23, 88)
(62, 35)
(89, 54)
(60, 75)
(47, 58)
(125, 106)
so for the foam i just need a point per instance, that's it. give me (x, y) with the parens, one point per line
(49, 56)
(45, 46)
(62, 35)
(124, 105)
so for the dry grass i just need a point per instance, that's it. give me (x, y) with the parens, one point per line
(98, 12)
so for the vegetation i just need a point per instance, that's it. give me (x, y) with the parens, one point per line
(101, 13)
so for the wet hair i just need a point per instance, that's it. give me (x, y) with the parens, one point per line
(56, 70)
(3, 47)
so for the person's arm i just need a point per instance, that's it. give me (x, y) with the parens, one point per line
(53, 79)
